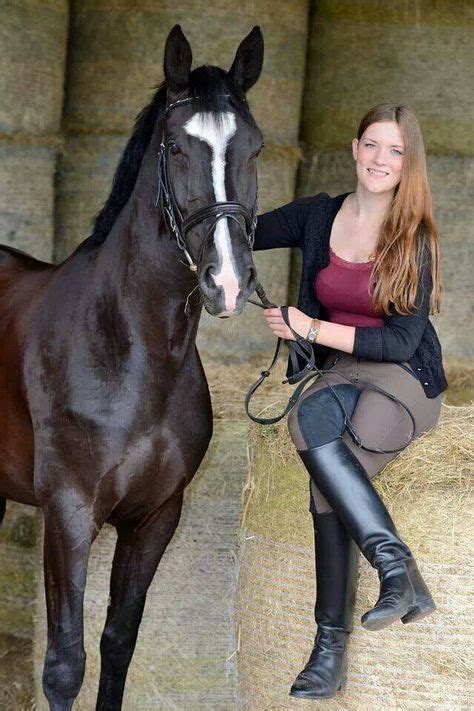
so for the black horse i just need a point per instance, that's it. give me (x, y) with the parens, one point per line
(104, 404)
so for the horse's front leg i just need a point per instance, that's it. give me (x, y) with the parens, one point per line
(140, 546)
(68, 534)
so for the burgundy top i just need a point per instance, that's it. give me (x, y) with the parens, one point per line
(343, 288)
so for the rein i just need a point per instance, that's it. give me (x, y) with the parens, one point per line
(305, 350)
(180, 226)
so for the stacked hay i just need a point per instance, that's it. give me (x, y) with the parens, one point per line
(428, 491)
(419, 53)
(115, 57)
(460, 377)
(33, 41)
(18, 556)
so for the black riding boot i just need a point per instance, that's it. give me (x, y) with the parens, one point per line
(344, 483)
(337, 569)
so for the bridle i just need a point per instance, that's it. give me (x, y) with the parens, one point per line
(180, 226)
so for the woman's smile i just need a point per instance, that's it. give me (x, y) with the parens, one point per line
(377, 173)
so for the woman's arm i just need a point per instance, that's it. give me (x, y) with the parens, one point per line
(397, 340)
(284, 226)
(330, 334)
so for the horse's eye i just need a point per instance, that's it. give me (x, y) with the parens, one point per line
(174, 149)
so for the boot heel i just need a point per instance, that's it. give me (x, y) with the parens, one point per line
(421, 609)
(342, 684)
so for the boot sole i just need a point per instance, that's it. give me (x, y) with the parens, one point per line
(420, 610)
(309, 695)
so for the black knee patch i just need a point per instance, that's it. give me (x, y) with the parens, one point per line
(321, 420)
(320, 417)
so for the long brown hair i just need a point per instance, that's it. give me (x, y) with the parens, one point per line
(409, 227)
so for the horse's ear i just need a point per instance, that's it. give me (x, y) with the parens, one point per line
(248, 61)
(178, 59)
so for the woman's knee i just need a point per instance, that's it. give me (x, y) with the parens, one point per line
(319, 418)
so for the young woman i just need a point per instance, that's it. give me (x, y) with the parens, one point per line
(370, 279)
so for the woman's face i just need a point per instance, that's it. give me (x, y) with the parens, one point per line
(379, 156)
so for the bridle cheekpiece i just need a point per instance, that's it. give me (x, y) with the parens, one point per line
(180, 226)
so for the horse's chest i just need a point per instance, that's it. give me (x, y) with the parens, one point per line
(153, 466)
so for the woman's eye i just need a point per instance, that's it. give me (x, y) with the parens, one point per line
(369, 145)
(397, 153)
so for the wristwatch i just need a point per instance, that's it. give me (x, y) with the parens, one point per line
(313, 331)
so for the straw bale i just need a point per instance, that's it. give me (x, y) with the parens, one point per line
(83, 183)
(428, 491)
(18, 555)
(27, 197)
(115, 57)
(364, 53)
(33, 36)
(460, 377)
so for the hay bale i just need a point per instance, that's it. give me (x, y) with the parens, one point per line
(18, 555)
(115, 57)
(85, 171)
(33, 40)
(460, 377)
(27, 197)
(361, 54)
(428, 492)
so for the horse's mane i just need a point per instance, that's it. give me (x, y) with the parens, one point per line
(208, 85)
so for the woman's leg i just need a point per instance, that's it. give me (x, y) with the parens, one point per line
(316, 421)
(339, 475)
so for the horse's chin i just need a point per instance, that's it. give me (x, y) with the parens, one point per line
(216, 310)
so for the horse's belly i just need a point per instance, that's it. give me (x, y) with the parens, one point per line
(16, 465)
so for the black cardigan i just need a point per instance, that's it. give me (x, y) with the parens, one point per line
(306, 223)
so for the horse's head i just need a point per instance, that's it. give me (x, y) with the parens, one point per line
(209, 169)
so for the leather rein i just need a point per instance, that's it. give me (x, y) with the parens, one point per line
(179, 228)
(300, 346)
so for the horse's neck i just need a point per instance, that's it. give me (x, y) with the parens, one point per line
(141, 264)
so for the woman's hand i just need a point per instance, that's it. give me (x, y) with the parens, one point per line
(298, 320)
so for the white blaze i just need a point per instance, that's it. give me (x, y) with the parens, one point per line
(217, 135)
